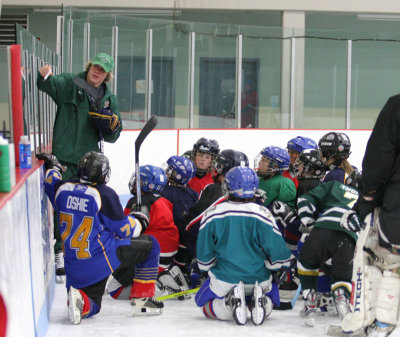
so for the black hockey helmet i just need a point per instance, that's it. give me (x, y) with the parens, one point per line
(312, 163)
(228, 159)
(335, 145)
(206, 145)
(354, 179)
(94, 167)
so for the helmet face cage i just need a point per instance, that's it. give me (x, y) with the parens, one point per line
(152, 179)
(205, 146)
(180, 170)
(309, 164)
(240, 182)
(228, 159)
(335, 145)
(94, 167)
(278, 160)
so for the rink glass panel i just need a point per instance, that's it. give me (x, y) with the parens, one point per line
(374, 63)
(325, 63)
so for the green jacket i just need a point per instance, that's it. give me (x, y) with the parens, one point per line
(278, 188)
(73, 133)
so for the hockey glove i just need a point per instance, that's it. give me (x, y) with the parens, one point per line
(366, 203)
(142, 218)
(260, 196)
(283, 212)
(50, 161)
(351, 222)
(106, 120)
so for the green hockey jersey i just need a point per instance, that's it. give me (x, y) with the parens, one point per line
(325, 205)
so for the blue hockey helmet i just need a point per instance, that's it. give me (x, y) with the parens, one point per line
(278, 160)
(300, 144)
(240, 182)
(180, 170)
(152, 179)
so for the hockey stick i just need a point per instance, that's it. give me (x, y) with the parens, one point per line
(167, 297)
(150, 125)
(92, 91)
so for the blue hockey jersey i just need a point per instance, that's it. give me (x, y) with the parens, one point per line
(92, 226)
(241, 242)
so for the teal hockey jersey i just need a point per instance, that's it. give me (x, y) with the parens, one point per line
(241, 242)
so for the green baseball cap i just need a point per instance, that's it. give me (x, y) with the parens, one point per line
(104, 60)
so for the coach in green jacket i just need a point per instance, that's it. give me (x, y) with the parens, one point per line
(80, 122)
(77, 122)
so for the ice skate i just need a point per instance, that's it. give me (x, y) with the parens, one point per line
(146, 306)
(261, 305)
(309, 310)
(75, 305)
(172, 281)
(379, 329)
(326, 304)
(341, 302)
(116, 290)
(236, 301)
(59, 257)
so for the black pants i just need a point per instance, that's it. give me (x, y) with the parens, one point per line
(324, 244)
(129, 256)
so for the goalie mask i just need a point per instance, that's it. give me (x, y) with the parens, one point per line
(94, 167)
(152, 179)
(240, 182)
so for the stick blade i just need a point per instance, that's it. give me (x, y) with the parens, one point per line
(150, 125)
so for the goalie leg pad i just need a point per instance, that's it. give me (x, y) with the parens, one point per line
(387, 301)
(364, 298)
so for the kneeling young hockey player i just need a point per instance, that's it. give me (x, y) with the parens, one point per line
(153, 179)
(99, 239)
(323, 208)
(239, 245)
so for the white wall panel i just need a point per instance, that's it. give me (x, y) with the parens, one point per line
(161, 144)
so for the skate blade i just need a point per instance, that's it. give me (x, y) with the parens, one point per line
(336, 331)
(240, 312)
(258, 312)
(141, 311)
(74, 313)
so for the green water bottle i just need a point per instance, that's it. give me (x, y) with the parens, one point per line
(5, 179)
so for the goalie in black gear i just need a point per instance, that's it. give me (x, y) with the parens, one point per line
(379, 206)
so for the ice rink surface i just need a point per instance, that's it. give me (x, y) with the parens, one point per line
(179, 318)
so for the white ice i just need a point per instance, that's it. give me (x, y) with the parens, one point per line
(179, 318)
